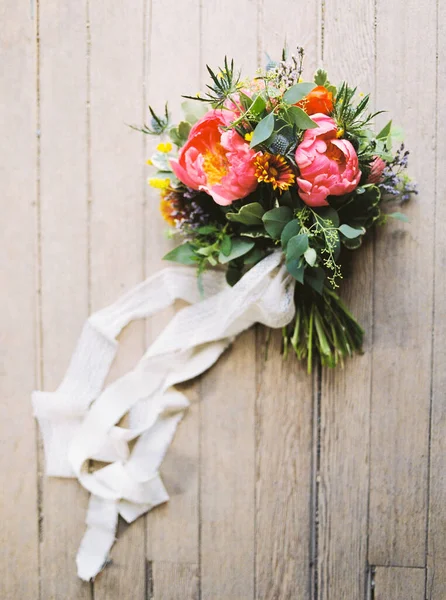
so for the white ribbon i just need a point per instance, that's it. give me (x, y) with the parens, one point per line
(79, 421)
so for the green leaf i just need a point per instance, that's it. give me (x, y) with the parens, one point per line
(250, 214)
(226, 245)
(183, 254)
(384, 133)
(297, 246)
(296, 268)
(315, 277)
(351, 232)
(233, 275)
(257, 106)
(290, 230)
(320, 77)
(205, 229)
(297, 92)
(310, 256)
(193, 110)
(328, 214)
(254, 256)
(263, 130)
(239, 248)
(275, 220)
(184, 130)
(399, 216)
(300, 118)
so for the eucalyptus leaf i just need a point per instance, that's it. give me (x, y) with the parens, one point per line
(290, 230)
(298, 92)
(275, 220)
(351, 232)
(310, 256)
(239, 248)
(183, 254)
(263, 130)
(300, 118)
(250, 214)
(399, 216)
(258, 106)
(184, 129)
(254, 256)
(297, 246)
(328, 213)
(193, 110)
(296, 268)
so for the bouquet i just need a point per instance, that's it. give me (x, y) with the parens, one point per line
(272, 181)
(276, 162)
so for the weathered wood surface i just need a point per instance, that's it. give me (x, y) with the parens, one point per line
(282, 486)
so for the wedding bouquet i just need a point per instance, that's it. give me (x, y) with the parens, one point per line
(271, 182)
(276, 162)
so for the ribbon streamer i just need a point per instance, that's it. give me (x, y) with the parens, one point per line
(79, 420)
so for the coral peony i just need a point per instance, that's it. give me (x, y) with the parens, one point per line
(328, 166)
(216, 161)
(319, 100)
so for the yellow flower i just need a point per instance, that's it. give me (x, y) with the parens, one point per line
(340, 132)
(300, 80)
(248, 136)
(273, 168)
(159, 184)
(164, 147)
(149, 162)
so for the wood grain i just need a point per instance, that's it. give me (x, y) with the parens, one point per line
(19, 361)
(172, 529)
(117, 220)
(227, 425)
(64, 266)
(345, 393)
(396, 583)
(403, 297)
(284, 404)
(436, 558)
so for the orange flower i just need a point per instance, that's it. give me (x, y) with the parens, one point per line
(273, 168)
(319, 100)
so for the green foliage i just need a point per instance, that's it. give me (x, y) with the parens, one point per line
(263, 130)
(297, 92)
(275, 220)
(239, 247)
(183, 254)
(158, 124)
(224, 83)
(249, 214)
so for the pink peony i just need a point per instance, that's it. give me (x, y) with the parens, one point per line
(216, 161)
(328, 166)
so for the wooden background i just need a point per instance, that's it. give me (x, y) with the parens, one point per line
(282, 486)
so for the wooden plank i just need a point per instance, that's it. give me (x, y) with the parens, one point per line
(437, 512)
(63, 177)
(284, 409)
(172, 529)
(403, 296)
(284, 406)
(393, 583)
(227, 475)
(18, 265)
(174, 580)
(343, 478)
(117, 219)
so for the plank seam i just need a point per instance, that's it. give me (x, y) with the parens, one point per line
(434, 258)
(39, 310)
